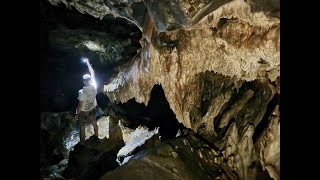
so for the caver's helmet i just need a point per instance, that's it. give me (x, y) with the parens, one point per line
(86, 79)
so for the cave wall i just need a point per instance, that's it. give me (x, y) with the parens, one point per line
(243, 49)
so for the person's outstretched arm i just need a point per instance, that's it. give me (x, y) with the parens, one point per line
(93, 77)
(90, 69)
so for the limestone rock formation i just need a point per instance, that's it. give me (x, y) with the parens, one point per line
(268, 146)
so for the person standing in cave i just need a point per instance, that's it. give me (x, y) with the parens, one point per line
(86, 109)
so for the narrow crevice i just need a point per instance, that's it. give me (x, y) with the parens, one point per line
(206, 96)
(265, 120)
(221, 22)
(162, 115)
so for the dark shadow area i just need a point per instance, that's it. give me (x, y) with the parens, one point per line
(157, 114)
(161, 113)
(265, 120)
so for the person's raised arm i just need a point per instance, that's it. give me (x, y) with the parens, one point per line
(92, 74)
(90, 69)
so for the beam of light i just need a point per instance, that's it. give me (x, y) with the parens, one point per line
(93, 46)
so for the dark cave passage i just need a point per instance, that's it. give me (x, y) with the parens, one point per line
(61, 70)
(156, 114)
(265, 120)
(160, 112)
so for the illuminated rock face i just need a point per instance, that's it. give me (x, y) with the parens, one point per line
(230, 41)
(103, 126)
(219, 67)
